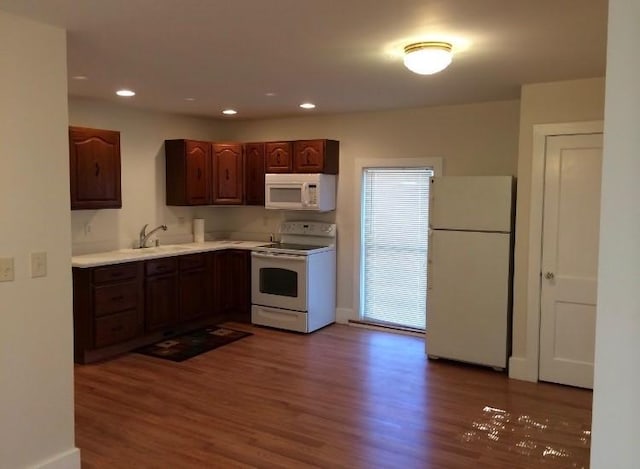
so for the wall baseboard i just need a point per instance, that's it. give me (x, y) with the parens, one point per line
(343, 315)
(523, 369)
(67, 460)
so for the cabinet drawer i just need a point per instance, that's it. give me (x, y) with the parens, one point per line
(116, 328)
(110, 299)
(161, 266)
(114, 273)
(280, 318)
(192, 261)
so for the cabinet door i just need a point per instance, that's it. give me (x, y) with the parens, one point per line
(315, 156)
(227, 174)
(198, 156)
(161, 301)
(194, 288)
(94, 165)
(234, 274)
(278, 157)
(254, 173)
(193, 294)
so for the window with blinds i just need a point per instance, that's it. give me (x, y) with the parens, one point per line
(395, 227)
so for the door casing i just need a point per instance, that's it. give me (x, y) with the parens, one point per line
(526, 367)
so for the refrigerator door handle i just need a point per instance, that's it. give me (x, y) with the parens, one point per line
(429, 260)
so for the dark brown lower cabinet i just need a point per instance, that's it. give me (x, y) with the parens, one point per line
(194, 287)
(108, 307)
(160, 293)
(233, 269)
(117, 308)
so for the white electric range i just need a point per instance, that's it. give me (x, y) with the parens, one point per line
(293, 283)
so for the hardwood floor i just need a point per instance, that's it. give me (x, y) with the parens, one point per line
(342, 397)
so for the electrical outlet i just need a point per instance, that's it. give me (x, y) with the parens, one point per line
(6, 269)
(38, 264)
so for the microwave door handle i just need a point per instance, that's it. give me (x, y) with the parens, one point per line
(305, 194)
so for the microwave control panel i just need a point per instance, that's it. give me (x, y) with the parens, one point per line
(313, 194)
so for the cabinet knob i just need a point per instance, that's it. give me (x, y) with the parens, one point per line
(549, 276)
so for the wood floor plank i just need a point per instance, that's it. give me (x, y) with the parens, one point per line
(342, 397)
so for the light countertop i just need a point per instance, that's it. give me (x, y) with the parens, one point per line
(130, 255)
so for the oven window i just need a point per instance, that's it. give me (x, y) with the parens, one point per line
(281, 282)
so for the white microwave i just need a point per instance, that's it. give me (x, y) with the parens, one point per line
(316, 192)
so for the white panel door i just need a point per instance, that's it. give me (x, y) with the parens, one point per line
(468, 297)
(476, 203)
(573, 168)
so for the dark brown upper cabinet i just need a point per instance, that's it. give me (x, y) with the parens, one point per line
(316, 156)
(278, 157)
(94, 166)
(254, 173)
(228, 174)
(188, 165)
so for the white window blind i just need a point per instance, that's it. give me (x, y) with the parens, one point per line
(395, 227)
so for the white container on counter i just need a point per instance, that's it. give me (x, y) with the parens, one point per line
(198, 230)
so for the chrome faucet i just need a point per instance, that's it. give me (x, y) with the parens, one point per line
(144, 236)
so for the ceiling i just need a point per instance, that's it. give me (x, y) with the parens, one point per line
(263, 58)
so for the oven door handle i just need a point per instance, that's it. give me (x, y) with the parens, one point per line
(262, 255)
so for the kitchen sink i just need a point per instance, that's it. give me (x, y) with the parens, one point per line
(169, 248)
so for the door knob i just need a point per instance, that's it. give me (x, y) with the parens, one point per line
(549, 276)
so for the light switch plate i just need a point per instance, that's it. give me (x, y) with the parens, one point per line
(38, 264)
(6, 269)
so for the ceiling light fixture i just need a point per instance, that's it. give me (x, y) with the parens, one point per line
(125, 93)
(427, 58)
(308, 106)
(229, 112)
(80, 77)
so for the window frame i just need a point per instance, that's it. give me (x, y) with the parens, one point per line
(434, 163)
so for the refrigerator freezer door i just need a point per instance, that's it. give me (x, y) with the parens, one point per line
(468, 297)
(477, 203)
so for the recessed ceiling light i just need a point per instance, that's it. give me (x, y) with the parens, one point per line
(189, 99)
(80, 77)
(229, 112)
(125, 93)
(270, 93)
(307, 106)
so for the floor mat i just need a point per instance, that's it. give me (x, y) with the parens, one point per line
(192, 343)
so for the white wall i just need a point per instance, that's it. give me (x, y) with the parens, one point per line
(142, 136)
(543, 103)
(616, 407)
(473, 139)
(36, 341)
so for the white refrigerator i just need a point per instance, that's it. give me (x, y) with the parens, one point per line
(469, 278)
